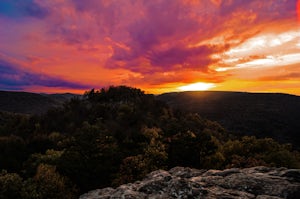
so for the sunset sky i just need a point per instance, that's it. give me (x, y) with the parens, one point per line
(157, 45)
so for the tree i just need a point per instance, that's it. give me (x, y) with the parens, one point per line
(12, 153)
(190, 149)
(51, 157)
(92, 158)
(48, 184)
(10, 185)
(154, 157)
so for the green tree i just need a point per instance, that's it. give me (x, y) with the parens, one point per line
(92, 158)
(12, 153)
(154, 157)
(191, 149)
(10, 185)
(48, 184)
(51, 157)
(250, 151)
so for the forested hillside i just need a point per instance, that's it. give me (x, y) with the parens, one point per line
(114, 136)
(31, 103)
(260, 114)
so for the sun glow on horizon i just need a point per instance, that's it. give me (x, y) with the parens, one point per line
(200, 86)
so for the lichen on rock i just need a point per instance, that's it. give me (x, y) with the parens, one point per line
(184, 183)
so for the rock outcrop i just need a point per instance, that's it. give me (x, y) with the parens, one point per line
(180, 182)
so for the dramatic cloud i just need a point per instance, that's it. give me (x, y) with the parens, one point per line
(157, 45)
(22, 8)
(15, 78)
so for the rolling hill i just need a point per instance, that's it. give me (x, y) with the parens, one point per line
(31, 103)
(261, 114)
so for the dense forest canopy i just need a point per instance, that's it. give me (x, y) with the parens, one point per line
(117, 135)
(273, 115)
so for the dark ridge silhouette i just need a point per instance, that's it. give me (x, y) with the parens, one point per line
(31, 103)
(261, 114)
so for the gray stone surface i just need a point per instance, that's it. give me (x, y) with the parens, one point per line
(185, 183)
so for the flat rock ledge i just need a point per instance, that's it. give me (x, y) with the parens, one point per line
(182, 182)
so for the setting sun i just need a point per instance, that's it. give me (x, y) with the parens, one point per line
(200, 86)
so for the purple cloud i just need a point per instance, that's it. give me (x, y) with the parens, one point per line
(265, 10)
(22, 8)
(144, 37)
(188, 57)
(159, 38)
(151, 36)
(13, 77)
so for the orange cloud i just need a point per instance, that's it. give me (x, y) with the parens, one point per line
(156, 45)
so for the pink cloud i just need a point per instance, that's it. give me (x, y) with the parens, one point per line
(159, 41)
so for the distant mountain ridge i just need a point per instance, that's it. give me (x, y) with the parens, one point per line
(273, 115)
(261, 114)
(31, 103)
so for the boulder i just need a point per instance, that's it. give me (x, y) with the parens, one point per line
(184, 183)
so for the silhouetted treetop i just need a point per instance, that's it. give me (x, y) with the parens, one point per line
(115, 94)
